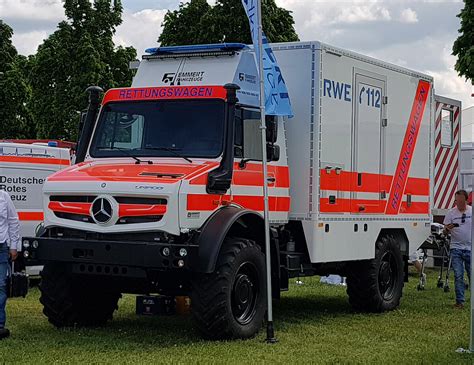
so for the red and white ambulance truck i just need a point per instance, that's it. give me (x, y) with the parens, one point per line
(24, 168)
(166, 196)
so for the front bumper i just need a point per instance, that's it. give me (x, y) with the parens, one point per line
(108, 257)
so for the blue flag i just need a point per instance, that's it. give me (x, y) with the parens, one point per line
(277, 100)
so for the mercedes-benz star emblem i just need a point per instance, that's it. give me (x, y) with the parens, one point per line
(101, 210)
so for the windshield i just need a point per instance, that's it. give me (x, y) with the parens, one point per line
(167, 128)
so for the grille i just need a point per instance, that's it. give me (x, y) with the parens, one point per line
(72, 198)
(141, 219)
(77, 208)
(139, 200)
(74, 217)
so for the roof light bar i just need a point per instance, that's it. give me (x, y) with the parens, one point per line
(198, 48)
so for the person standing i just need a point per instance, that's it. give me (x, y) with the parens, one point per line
(458, 222)
(9, 247)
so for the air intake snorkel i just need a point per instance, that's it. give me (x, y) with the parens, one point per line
(89, 121)
(220, 179)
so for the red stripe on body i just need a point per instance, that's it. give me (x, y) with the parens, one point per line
(408, 148)
(369, 206)
(35, 160)
(417, 186)
(371, 183)
(251, 175)
(210, 202)
(30, 216)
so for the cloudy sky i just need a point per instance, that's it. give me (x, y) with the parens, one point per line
(415, 34)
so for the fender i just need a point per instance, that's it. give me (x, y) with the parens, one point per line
(215, 230)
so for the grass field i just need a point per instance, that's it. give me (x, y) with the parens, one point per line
(314, 324)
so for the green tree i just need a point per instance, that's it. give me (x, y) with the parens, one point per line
(197, 22)
(15, 119)
(78, 54)
(463, 47)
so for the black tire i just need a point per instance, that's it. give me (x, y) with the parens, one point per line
(376, 285)
(231, 301)
(68, 301)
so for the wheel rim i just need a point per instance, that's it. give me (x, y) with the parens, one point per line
(245, 292)
(388, 273)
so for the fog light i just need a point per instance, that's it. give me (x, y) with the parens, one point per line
(183, 252)
(26, 243)
(180, 263)
(165, 251)
(26, 254)
(35, 244)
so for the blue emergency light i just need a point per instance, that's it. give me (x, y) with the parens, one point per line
(216, 47)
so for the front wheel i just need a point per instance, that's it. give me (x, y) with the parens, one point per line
(376, 285)
(69, 301)
(230, 302)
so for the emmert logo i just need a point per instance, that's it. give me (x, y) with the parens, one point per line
(174, 78)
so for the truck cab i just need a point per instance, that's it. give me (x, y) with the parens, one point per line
(165, 174)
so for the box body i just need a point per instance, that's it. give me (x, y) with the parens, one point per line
(358, 123)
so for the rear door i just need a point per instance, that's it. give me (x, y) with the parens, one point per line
(368, 147)
(447, 152)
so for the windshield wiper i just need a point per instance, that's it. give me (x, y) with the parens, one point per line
(171, 150)
(127, 152)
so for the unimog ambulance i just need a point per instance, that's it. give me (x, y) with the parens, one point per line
(167, 194)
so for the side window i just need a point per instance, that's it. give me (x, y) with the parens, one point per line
(238, 134)
(241, 115)
(447, 117)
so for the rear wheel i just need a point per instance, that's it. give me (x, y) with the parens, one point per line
(230, 302)
(68, 301)
(376, 285)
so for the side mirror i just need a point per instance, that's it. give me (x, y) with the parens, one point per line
(252, 144)
(271, 123)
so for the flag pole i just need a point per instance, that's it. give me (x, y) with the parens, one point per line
(471, 339)
(270, 330)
